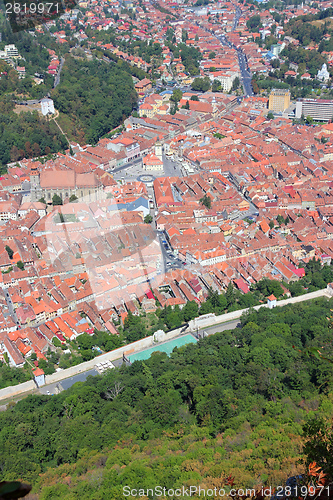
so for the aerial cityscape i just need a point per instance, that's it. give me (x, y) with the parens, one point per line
(166, 244)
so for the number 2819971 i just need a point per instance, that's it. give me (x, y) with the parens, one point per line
(302, 491)
(32, 8)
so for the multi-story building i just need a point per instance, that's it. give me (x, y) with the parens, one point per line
(226, 78)
(276, 48)
(318, 109)
(21, 71)
(9, 52)
(279, 100)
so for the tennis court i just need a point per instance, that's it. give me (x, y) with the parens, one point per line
(167, 347)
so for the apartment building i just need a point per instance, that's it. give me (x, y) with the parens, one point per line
(318, 109)
(279, 100)
(9, 52)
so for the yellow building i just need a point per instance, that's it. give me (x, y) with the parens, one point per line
(279, 100)
(147, 110)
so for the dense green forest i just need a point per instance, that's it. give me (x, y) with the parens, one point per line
(20, 89)
(303, 29)
(253, 24)
(234, 403)
(26, 134)
(95, 95)
(32, 49)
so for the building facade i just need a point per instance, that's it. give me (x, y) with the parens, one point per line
(279, 100)
(64, 183)
(318, 109)
(47, 106)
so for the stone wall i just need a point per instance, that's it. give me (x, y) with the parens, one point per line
(16, 390)
(224, 318)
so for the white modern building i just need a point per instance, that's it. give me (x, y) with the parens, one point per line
(9, 52)
(318, 109)
(226, 78)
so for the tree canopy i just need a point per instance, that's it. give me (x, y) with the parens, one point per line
(234, 403)
(96, 96)
(201, 84)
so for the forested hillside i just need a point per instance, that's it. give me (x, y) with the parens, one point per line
(36, 57)
(95, 95)
(311, 27)
(93, 98)
(235, 403)
(26, 135)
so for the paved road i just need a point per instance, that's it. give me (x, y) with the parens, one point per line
(246, 76)
(169, 260)
(236, 315)
(11, 308)
(66, 383)
(171, 168)
(57, 78)
(229, 325)
(27, 103)
(237, 16)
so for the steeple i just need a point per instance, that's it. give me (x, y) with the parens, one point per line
(35, 189)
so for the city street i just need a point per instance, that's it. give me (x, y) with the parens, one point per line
(11, 308)
(245, 73)
(169, 259)
(57, 78)
(229, 325)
